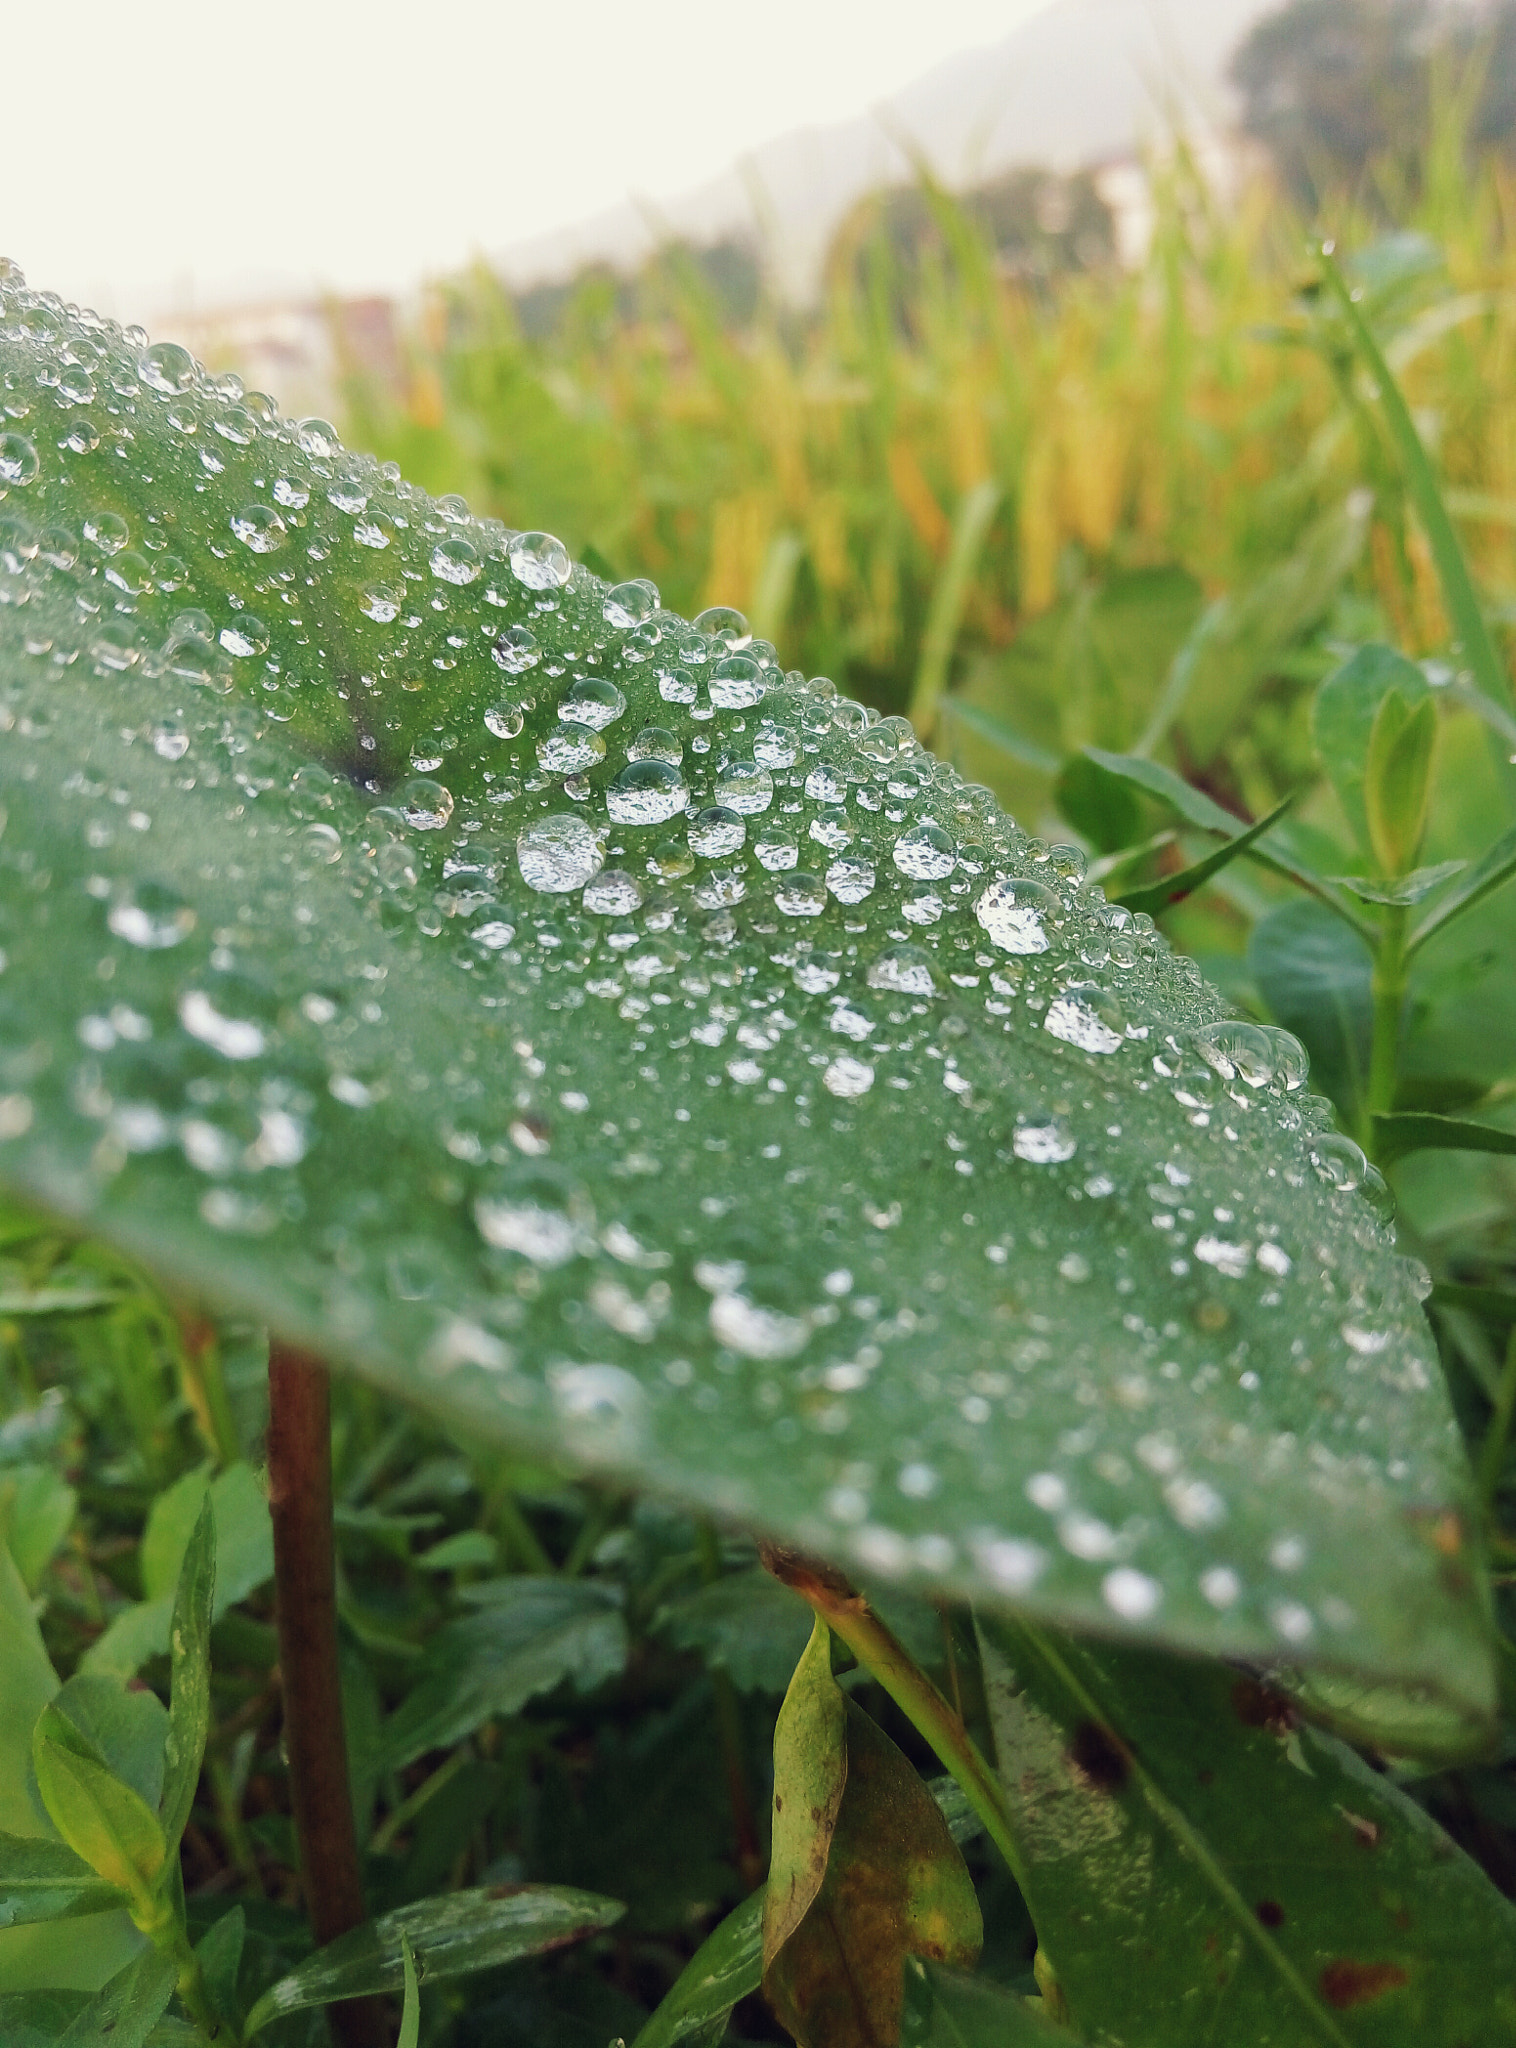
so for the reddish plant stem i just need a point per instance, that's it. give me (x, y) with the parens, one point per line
(305, 1593)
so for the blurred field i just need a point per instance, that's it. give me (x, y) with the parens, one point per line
(962, 492)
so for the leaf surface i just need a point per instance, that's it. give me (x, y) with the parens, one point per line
(450, 1936)
(1203, 1866)
(747, 1124)
(945, 2010)
(529, 1635)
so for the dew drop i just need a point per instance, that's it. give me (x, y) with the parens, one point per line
(424, 804)
(504, 720)
(903, 970)
(646, 793)
(18, 460)
(151, 917)
(592, 701)
(455, 560)
(715, 832)
(516, 649)
(800, 895)
(1088, 1017)
(260, 528)
(630, 604)
(847, 1077)
(1015, 914)
(167, 368)
(540, 561)
(925, 853)
(1043, 1141)
(558, 853)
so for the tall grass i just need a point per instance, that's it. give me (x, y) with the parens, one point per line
(1025, 495)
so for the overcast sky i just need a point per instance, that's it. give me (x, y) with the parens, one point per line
(164, 156)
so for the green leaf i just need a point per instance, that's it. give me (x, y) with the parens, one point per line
(103, 1820)
(1199, 809)
(126, 1731)
(863, 1873)
(728, 1965)
(1343, 713)
(1316, 980)
(190, 1676)
(45, 1880)
(945, 2010)
(36, 1513)
(432, 1117)
(451, 1936)
(470, 1549)
(1181, 1826)
(125, 2011)
(1099, 805)
(219, 1954)
(747, 1623)
(244, 1562)
(410, 2017)
(529, 1636)
(1157, 896)
(1397, 780)
(1419, 1131)
(1483, 879)
(1404, 889)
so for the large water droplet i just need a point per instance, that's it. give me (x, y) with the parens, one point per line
(18, 459)
(540, 561)
(1016, 913)
(558, 853)
(926, 853)
(630, 604)
(592, 701)
(260, 528)
(646, 793)
(151, 917)
(903, 970)
(1088, 1017)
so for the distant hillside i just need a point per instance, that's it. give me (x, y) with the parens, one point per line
(1082, 83)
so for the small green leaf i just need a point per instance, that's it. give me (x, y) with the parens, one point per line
(1181, 1825)
(1157, 896)
(451, 1936)
(1404, 890)
(1316, 980)
(747, 1623)
(219, 1954)
(101, 1819)
(530, 1635)
(126, 2010)
(45, 1880)
(127, 1731)
(864, 1870)
(244, 1562)
(410, 2015)
(470, 1549)
(1397, 779)
(1343, 713)
(190, 1676)
(1414, 1130)
(1483, 879)
(945, 2010)
(36, 1513)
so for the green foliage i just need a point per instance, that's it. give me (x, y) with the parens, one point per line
(1188, 1399)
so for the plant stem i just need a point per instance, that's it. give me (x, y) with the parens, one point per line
(305, 1593)
(1388, 988)
(729, 1728)
(848, 1615)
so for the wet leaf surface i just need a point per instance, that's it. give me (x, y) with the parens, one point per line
(634, 1052)
(1182, 1825)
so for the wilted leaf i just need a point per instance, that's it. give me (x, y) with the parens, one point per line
(703, 1149)
(1182, 1827)
(529, 1635)
(451, 1936)
(864, 1871)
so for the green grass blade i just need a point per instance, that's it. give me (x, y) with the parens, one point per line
(989, 726)
(949, 596)
(1417, 1130)
(1458, 594)
(1156, 896)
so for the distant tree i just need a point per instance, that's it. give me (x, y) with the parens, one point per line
(1328, 85)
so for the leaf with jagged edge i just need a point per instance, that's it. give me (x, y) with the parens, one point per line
(633, 1052)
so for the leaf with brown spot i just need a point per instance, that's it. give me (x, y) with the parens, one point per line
(1181, 1825)
(864, 1871)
